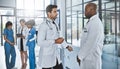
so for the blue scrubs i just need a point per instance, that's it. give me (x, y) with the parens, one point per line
(9, 49)
(31, 47)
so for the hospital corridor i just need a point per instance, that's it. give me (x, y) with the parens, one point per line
(59, 34)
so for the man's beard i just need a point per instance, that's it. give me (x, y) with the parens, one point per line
(54, 18)
(88, 16)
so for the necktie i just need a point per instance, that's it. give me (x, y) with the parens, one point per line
(55, 25)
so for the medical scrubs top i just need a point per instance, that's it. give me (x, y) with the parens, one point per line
(9, 34)
(31, 34)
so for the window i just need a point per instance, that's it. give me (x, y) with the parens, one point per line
(32, 9)
(74, 21)
(6, 11)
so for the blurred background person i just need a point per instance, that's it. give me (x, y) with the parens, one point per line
(9, 46)
(21, 42)
(31, 41)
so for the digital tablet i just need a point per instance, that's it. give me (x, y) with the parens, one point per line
(18, 35)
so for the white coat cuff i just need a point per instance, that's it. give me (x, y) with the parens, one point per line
(80, 57)
(64, 44)
(53, 41)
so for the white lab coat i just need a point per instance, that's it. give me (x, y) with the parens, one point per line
(92, 44)
(25, 33)
(47, 33)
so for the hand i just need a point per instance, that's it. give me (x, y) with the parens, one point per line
(78, 60)
(12, 44)
(59, 40)
(23, 37)
(18, 36)
(69, 48)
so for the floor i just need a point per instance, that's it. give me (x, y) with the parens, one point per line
(18, 59)
(69, 61)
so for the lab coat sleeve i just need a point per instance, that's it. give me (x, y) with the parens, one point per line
(18, 30)
(65, 44)
(26, 33)
(42, 35)
(89, 46)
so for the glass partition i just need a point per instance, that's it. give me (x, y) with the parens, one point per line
(110, 11)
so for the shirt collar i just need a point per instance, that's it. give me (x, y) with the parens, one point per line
(93, 17)
(50, 20)
(8, 29)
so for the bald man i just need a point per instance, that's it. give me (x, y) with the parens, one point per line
(89, 56)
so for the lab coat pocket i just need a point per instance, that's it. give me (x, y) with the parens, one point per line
(85, 30)
(49, 51)
(84, 35)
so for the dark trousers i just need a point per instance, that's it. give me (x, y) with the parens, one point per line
(58, 66)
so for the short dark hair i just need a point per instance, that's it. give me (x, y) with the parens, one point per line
(9, 23)
(92, 5)
(22, 20)
(50, 7)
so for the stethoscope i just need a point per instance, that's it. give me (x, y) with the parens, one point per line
(48, 23)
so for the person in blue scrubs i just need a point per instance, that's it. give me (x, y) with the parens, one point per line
(31, 41)
(9, 46)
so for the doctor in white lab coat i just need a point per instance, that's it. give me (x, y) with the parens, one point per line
(48, 39)
(89, 56)
(21, 42)
(24, 32)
